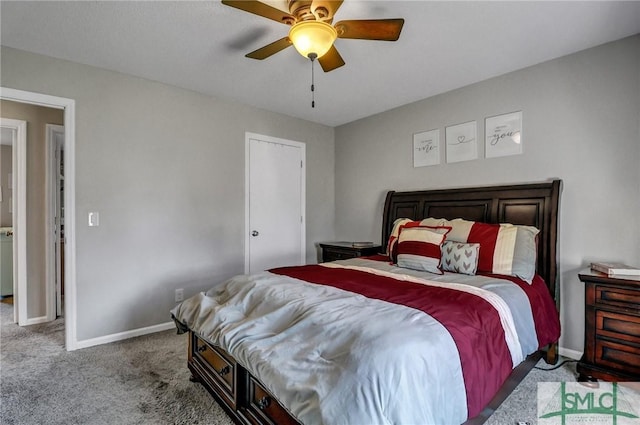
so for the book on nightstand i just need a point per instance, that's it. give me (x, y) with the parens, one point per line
(612, 269)
(362, 244)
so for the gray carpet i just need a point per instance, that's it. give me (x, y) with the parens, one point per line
(142, 380)
(522, 404)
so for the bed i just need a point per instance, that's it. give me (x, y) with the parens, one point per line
(379, 339)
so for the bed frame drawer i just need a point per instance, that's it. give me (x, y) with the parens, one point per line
(262, 408)
(241, 395)
(219, 368)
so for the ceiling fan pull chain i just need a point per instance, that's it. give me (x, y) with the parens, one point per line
(312, 56)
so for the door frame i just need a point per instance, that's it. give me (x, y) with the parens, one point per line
(52, 236)
(303, 192)
(69, 107)
(19, 216)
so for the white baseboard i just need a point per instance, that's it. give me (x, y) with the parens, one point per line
(124, 335)
(37, 320)
(572, 354)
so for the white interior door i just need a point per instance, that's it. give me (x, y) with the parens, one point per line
(55, 219)
(275, 203)
(59, 195)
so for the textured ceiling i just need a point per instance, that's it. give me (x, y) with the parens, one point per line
(201, 46)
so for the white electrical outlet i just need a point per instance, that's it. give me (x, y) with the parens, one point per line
(179, 295)
(94, 219)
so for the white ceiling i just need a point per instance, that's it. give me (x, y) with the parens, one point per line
(201, 46)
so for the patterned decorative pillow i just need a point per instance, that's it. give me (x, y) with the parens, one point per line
(460, 257)
(419, 248)
(504, 248)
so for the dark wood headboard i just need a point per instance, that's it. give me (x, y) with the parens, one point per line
(535, 204)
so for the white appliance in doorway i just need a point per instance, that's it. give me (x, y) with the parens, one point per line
(274, 203)
(6, 261)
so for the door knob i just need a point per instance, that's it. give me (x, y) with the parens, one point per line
(255, 233)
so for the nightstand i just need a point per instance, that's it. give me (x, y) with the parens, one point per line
(612, 328)
(332, 251)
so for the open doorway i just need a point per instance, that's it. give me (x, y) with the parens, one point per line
(35, 291)
(38, 300)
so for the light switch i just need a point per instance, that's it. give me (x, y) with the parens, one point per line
(94, 219)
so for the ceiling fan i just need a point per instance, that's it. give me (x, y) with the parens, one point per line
(312, 32)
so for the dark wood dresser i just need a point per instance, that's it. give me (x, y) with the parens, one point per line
(332, 251)
(612, 328)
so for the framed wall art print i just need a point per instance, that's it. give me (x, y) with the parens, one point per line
(462, 142)
(503, 135)
(426, 148)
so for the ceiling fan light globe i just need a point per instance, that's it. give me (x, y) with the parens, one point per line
(312, 37)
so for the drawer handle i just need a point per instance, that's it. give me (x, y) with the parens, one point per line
(264, 402)
(202, 349)
(225, 370)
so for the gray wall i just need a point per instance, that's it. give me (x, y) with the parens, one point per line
(37, 117)
(165, 169)
(581, 118)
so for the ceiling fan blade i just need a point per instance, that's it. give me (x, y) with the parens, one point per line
(331, 60)
(331, 7)
(370, 29)
(261, 9)
(270, 49)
